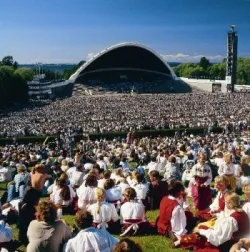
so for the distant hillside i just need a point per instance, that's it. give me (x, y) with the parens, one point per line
(61, 67)
(52, 67)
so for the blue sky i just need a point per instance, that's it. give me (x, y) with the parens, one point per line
(63, 31)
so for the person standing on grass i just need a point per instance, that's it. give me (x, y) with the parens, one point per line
(200, 183)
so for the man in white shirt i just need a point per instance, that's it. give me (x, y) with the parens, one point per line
(88, 237)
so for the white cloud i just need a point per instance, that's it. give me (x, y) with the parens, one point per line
(90, 55)
(180, 57)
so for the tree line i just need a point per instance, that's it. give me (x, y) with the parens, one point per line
(204, 69)
(13, 82)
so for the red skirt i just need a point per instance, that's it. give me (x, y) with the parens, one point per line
(200, 244)
(202, 196)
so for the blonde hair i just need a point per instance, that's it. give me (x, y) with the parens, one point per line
(221, 179)
(246, 188)
(64, 162)
(233, 201)
(99, 196)
(227, 157)
(134, 174)
(201, 156)
(245, 160)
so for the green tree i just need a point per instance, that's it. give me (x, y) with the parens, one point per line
(26, 73)
(8, 61)
(67, 73)
(204, 63)
(13, 88)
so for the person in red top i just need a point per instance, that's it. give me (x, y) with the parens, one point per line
(231, 225)
(218, 205)
(172, 220)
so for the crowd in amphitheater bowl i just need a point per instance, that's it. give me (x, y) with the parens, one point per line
(109, 113)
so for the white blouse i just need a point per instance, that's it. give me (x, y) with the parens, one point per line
(215, 204)
(178, 219)
(246, 208)
(114, 193)
(107, 212)
(225, 169)
(56, 198)
(123, 186)
(90, 240)
(223, 230)
(202, 171)
(132, 210)
(141, 190)
(86, 196)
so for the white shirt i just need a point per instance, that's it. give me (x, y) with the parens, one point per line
(153, 166)
(215, 204)
(202, 171)
(86, 196)
(14, 204)
(114, 193)
(132, 210)
(101, 183)
(123, 186)
(223, 230)
(141, 190)
(107, 212)
(56, 198)
(70, 171)
(116, 178)
(91, 240)
(246, 208)
(102, 164)
(76, 178)
(178, 220)
(226, 169)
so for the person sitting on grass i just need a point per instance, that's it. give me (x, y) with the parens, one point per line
(127, 245)
(46, 233)
(17, 187)
(104, 214)
(86, 192)
(230, 226)
(172, 220)
(157, 190)
(218, 204)
(89, 238)
(63, 195)
(133, 215)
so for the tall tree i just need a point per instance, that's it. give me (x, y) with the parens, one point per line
(204, 63)
(8, 61)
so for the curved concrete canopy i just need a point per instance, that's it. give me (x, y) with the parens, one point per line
(87, 64)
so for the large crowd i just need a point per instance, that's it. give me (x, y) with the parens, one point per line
(107, 113)
(107, 187)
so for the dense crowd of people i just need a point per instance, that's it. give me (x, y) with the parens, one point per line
(107, 113)
(108, 186)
